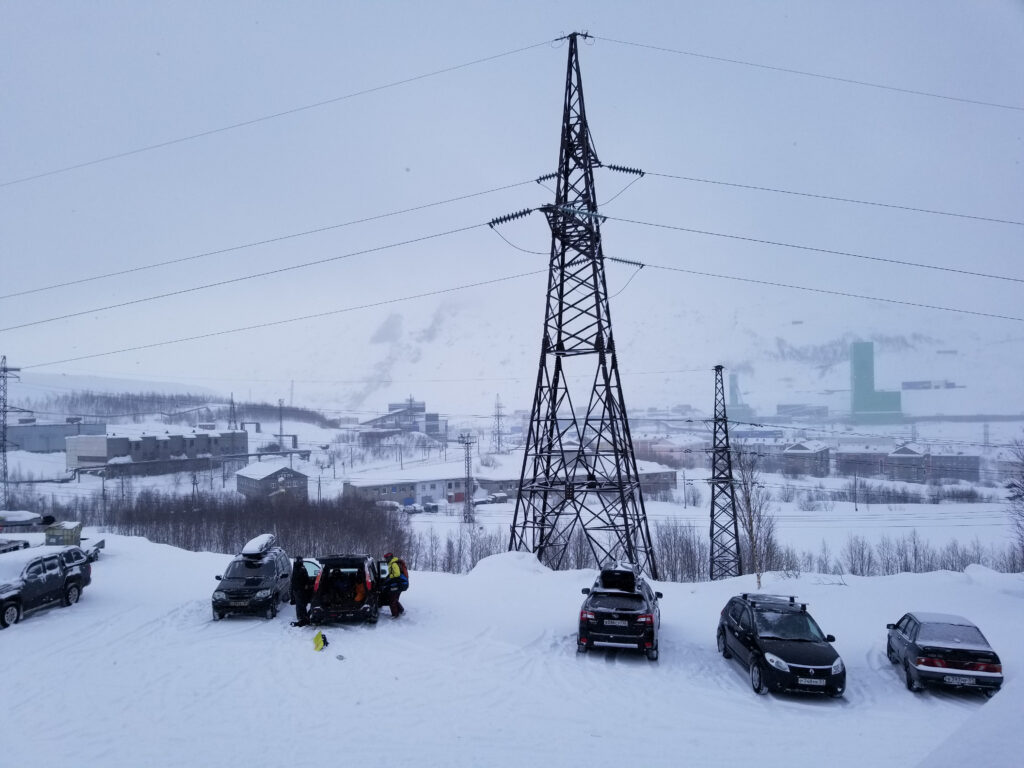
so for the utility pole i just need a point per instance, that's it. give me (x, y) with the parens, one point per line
(467, 440)
(497, 432)
(855, 490)
(725, 534)
(5, 374)
(232, 419)
(579, 473)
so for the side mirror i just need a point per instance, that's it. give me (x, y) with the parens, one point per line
(890, 626)
(217, 578)
(585, 591)
(830, 638)
(658, 595)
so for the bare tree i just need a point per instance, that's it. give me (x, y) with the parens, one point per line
(1016, 494)
(753, 512)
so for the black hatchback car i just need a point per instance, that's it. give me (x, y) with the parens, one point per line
(348, 588)
(781, 645)
(943, 650)
(255, 581)
(621, 611)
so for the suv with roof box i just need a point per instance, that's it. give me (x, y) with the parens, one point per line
(620, 611)
(780, 645)
(256, 580)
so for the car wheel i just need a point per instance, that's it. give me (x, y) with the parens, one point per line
(217, 615)
(11, 614)
(71, 594)
(837, 694)
(581, 647)
(722, 647)
(990, 692)
(271, 611)
(912, 684)
(652, 654)
(890, 653)
(757, 678)
(374, 614)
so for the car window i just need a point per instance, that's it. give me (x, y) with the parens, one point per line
(903, 624)
(52, 564)
(950, 633)
(36, 569)
(735, 611)
(788, 625)
(617, 602)
(744, 619)
(912, 626)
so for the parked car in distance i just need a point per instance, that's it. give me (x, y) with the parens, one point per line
(13, 545)
(780, 644)
(347, 588)
(38, 577)
(497, 498)
(430, 506)
(943, 650)
(413, 509)
(620, 611)
(254, 582)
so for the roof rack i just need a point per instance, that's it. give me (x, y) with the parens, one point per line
(757, 599)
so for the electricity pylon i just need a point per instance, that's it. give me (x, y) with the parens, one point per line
(579, 472)
(725, 535)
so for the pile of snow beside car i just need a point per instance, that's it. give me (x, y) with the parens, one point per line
(483, 670)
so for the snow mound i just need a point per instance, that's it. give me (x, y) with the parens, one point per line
(509, 565)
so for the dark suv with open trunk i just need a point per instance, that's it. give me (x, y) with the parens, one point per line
(621, 611)
(348, 588)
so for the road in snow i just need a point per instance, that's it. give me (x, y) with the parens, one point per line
(481, 671)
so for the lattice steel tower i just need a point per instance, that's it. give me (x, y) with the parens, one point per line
(725, 535)
(579, 471)
(5, 374)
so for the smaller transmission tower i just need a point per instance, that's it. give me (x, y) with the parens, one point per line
(232, 418)
(498, 430)
(725, 535)
(5, 374)
(467, 441)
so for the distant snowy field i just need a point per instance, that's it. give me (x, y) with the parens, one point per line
(482, 671)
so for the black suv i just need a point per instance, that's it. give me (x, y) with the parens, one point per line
(38, 577)
(943, 650)
(348, 588)
(255, 581)
(781, 645)
(621, 611)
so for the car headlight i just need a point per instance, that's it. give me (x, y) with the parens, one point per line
(219, 596)
(837, 666)
(776, 662)
(262, 594)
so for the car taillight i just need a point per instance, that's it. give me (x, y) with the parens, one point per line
(645, 618)
(981, 666)
(930, 661)
(586, 615)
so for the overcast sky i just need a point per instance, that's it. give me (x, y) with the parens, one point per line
(82, 82)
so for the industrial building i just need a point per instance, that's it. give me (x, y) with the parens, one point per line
(407, 416)
(39, 437)
(154, 454)
(271, 479)
(868, 405)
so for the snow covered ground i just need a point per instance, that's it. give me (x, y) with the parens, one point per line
(481, 671)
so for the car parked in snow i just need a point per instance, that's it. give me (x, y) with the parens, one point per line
(255, 582)
(620, 611)
(39, 577)
(780, 644)
(347, 588)
(940, 649)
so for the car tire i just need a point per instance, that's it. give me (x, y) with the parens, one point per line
(581, 647)
(374, 615)
(72, 592)
(271, 611)
(890, 653)
(217, 615)
(912, 685)
(757, 678)
(652, 654)
(990, 692)
(11, 614)
(722, 647)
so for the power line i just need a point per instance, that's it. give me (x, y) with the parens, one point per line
(836, 198)
(317, 315)
(831, 252)
(230, 281)
(273, 116)
(266, 241)
(818, 75)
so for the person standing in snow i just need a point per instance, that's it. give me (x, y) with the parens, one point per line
(393, 585)
(300, 592)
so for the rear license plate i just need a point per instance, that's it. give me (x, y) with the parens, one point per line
(957, 680)
(810, 681)
(616, 623)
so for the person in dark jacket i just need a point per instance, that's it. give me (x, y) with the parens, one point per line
(300, 592)
(393, 585)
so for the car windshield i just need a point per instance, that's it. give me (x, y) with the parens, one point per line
(788, 625)
(245, 569)
(950, 633)
(616, 602)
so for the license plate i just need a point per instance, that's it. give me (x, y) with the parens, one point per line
(810, 681)
(616, 623)
(957, 680)
(239, 603)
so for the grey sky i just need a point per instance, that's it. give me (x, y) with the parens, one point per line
(81, 82)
